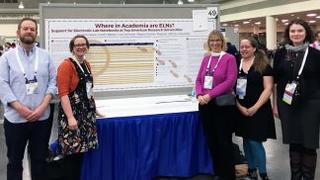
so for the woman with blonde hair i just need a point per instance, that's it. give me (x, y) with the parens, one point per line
(215, 81)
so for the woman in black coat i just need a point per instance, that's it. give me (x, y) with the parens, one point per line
(297, 97)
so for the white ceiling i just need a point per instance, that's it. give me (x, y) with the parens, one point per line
(9, 13)
(247, 25)
(34, 4)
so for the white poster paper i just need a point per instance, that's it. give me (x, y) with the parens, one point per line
(133, 53)
(200, 20)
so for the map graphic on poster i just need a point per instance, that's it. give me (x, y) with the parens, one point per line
(133, 53)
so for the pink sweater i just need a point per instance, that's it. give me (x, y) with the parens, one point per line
(224, 77)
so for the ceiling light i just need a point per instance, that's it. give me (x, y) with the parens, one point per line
(245, 22)
(21, 6)
(286, 23)
(224, 24)
(292, 15)
(312, 21)
(311, 14)
(180, 2)
(257, 23)
(190, 1)
(284, 20)
(318, 17)
(236, 25)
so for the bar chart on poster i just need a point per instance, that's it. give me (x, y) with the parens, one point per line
(135, 53)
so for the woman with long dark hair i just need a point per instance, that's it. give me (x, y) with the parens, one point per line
(297, 97)
(255, 122)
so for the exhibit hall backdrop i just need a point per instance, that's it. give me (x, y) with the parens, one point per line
(133, 48)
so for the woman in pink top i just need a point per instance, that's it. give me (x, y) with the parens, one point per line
(217, 76)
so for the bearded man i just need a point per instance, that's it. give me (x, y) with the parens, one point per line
(27, 83)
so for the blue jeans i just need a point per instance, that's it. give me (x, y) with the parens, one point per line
(255, 155)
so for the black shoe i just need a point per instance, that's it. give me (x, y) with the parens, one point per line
(252, 174)
(216, 178)
(264, 176)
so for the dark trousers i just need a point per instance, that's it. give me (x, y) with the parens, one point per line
(73, 164)
(303, 162)
(17, 135)
(218, 128)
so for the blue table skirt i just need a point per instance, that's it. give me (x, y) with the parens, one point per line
(144, 147)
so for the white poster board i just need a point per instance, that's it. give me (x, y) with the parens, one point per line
(134, 54)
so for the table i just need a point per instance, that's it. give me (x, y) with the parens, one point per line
(144, 147)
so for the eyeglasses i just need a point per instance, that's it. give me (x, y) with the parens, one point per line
(80, 45)
(215, 40)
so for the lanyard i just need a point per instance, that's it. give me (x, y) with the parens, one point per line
(303, 62)
(35, 64)
(81, 66)
(215, 67)
(240, 67)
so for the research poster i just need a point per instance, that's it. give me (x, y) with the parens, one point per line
(130, 54)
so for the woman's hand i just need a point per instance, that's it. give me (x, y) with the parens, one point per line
(72, 123)
(207, 98)
(275, 111)
(243, 110)
(204, 99)
(99, 114)
(252, 111)
(200, 100)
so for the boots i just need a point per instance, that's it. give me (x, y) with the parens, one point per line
(264, 176)
(295, 165)
(309, 162)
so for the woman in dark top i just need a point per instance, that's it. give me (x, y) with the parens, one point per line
(254, 88)
(297, 97)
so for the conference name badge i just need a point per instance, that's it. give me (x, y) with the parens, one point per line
(241, 87)
(289, 92)
(208, 82)
(89, 90)
(31, 87)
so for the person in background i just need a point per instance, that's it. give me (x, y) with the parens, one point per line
(13, 45)
(217, 76)
(231, 49)
(27, 83)
(316, 43)
(261, 46)
(7, 46)
(255, 123)
(77, 111)
(1, 50)
(297, 98)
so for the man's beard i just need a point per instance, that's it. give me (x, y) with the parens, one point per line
(27, 39)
